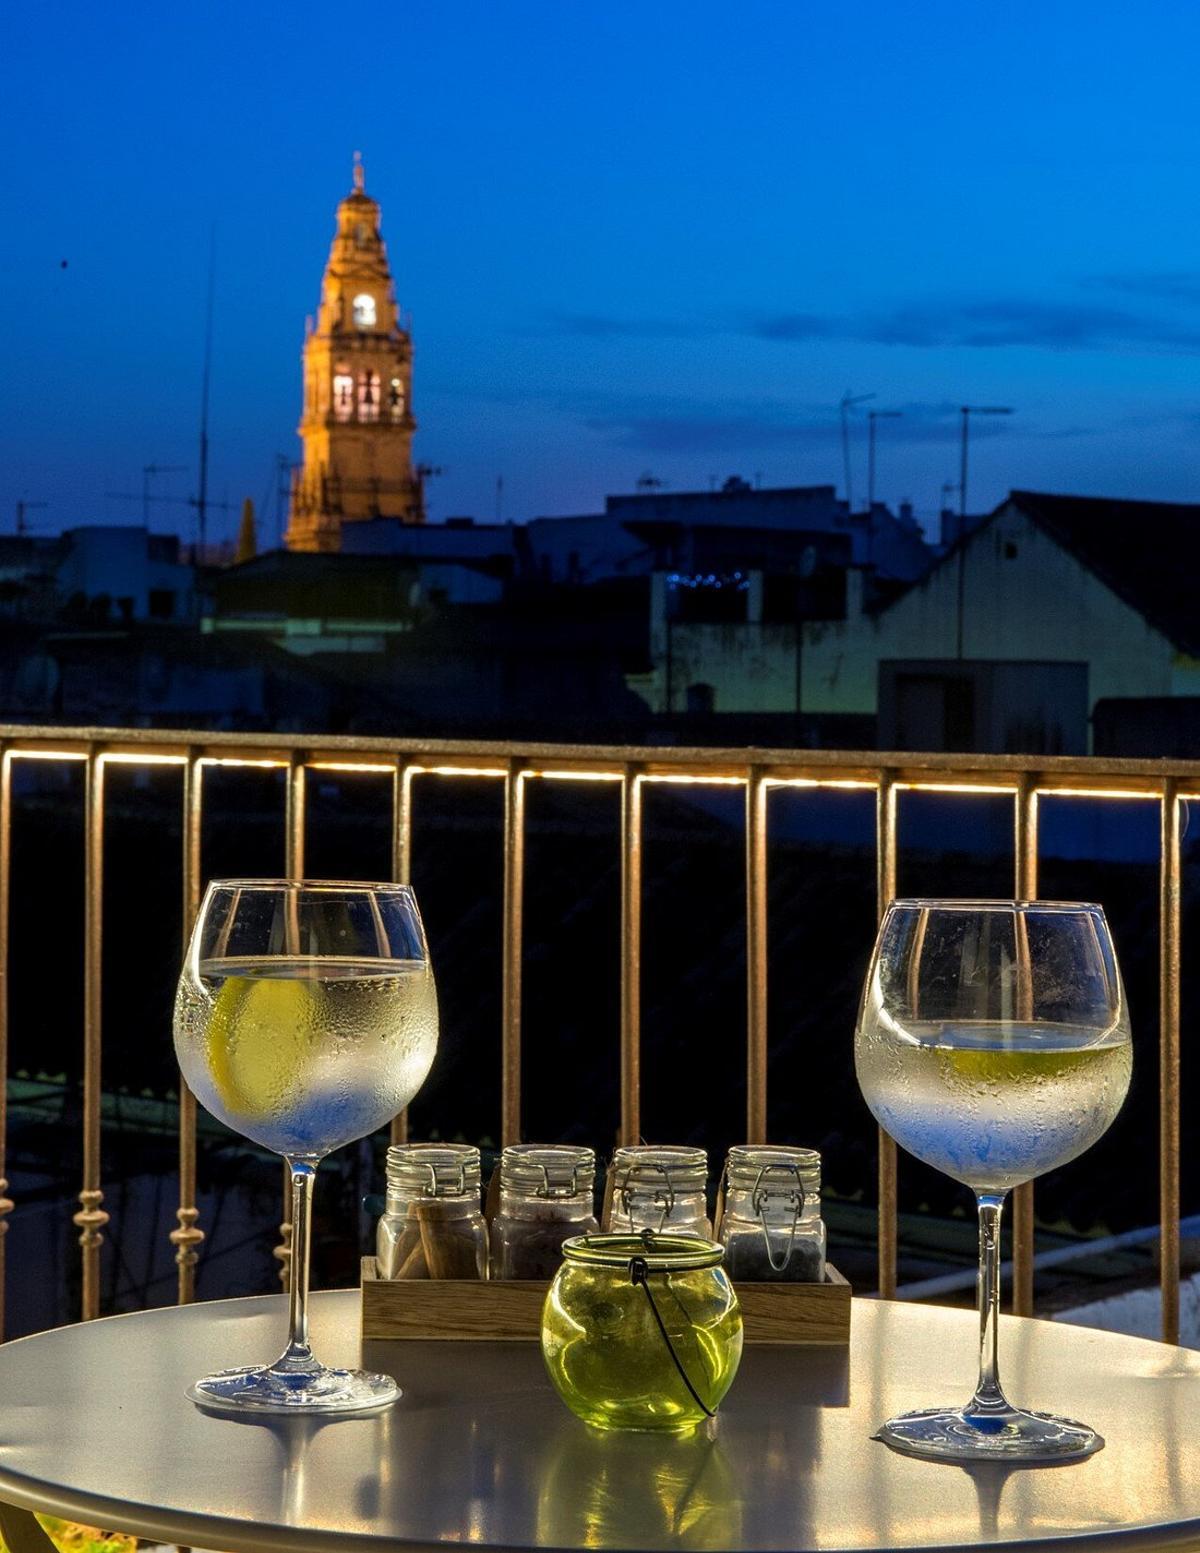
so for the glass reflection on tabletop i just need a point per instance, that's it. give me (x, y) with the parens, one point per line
(602, 1488)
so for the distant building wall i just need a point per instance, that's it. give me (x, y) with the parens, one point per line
(138, 571)
(747, 667)
(585, 549)
(1025, 598)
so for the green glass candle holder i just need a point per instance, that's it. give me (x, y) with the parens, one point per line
(642, 1331)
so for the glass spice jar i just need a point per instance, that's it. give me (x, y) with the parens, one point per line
(642, 1331)
(658, 1187)
(432, 1226)
(545, 1198)
(771, 1227)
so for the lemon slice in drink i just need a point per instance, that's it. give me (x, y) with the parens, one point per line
(259, 1041)
(1007, 1066)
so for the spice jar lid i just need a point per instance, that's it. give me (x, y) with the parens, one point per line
(773, 1170)
(433, 1169)
(650, 1167)
(660, 1253)
(553, 1170)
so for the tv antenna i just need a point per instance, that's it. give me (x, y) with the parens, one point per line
(202, 502)
(22, 508)
(845, 405)
(148, 472)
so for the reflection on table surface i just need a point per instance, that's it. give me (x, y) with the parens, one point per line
(479, 1450)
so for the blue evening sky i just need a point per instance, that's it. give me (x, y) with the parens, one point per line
(646, 236)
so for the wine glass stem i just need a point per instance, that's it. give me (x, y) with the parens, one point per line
(298, 1355)
(988, 1395)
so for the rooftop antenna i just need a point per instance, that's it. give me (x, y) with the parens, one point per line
(845, 405)
(425, 472)
(202, 492)
(967, 411)
(156, 469)
(499, 496)
(22, 508)
(648, 483)
(283, 481)
(872, 417)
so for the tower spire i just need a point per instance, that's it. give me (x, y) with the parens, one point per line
(357, 422)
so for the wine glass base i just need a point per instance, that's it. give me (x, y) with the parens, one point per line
(260, 1389)
(958, 1434)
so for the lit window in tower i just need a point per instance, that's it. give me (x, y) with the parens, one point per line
(396, 399)
(368, 396)
(364, 311)
(343, 394)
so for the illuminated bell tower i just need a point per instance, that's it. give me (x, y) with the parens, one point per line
(357, 424)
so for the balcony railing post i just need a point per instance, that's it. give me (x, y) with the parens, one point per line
(1170, 969)
(1025, 852)
(631, 956)
(6, 1205)
(91, 1217)
(188, 1235)
(402, 780)
(514, 895)
(295, 814)
(885, 891)
(756, 957)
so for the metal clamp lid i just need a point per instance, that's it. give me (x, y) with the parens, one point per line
(552, 1172)
(750, 1167)
(433, 1169)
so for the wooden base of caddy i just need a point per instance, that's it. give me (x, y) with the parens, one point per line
(469, 1310)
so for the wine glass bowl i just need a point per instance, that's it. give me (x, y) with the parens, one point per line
(305, 1017)
(993, 1043)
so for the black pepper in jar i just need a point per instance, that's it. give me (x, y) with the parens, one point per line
(772, 1228)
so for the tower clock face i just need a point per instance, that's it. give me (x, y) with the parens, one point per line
(364, 310)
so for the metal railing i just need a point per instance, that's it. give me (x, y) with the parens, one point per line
(758, 772)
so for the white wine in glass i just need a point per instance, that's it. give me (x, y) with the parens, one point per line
(305, 1018)
(993, 1043)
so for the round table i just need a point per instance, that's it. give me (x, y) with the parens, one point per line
(94, 1426)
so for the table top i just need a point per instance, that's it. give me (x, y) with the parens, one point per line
(94, 1426)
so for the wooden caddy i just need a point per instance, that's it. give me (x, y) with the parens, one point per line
(495, 1310)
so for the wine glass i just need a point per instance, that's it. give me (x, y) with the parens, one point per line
(305, 1017)
(993, 1043)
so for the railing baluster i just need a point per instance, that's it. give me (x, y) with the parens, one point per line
(1170, 891)
(514, 890)
(402, 779)
(293, 868)
(6, 1205)
(631, 955)
(885, 891)
(1025, 853)
(187, 1236)
(756, 957)
(91, 1217)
